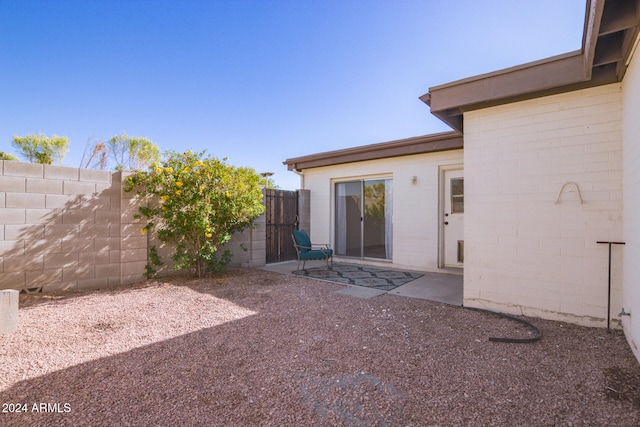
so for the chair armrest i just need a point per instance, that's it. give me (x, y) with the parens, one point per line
(322, 245)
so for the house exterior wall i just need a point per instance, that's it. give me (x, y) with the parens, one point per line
(631, 149)
(525, 254)
(415, 205)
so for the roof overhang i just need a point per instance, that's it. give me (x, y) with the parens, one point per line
(610, 34)
(402, 147)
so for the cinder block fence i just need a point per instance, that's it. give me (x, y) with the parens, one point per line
(65, 228)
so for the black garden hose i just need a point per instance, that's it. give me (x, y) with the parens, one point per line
(536, 337)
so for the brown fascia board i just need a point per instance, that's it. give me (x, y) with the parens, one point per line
(592, 23)
(601, 75)
(453, 98)
(557, 74)
(402, 147)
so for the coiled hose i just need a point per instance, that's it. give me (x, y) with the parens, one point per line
(537, 332)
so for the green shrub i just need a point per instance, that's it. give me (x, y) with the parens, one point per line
(202, 202)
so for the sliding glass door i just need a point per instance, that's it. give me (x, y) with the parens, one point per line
(363, 218)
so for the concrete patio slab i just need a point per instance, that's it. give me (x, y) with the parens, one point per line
(443, 287)
(440, 287)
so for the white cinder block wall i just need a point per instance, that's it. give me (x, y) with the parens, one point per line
(524, 253)
(631, 138)
(415, 206)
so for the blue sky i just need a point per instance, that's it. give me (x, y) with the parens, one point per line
(256, 81)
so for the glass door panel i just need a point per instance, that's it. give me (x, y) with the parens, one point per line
(349, 219)
(374, 223)
(363, 218)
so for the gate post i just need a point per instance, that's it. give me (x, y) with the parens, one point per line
(304, 210)
(258, 244)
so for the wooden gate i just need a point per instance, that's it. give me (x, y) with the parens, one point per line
(281, 219)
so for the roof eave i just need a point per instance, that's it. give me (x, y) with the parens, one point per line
(417, 145)
(608, 39)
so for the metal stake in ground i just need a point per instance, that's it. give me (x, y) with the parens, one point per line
(609, 289)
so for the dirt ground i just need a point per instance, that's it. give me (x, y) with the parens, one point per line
(258, 348)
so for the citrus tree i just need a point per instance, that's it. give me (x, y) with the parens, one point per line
(201, 202)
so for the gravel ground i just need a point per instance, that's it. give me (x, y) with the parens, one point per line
(258, 348)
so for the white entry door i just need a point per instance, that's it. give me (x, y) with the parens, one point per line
(453, 218)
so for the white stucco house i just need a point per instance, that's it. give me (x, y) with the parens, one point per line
(543, 161)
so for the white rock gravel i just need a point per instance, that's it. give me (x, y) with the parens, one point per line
(258, 348)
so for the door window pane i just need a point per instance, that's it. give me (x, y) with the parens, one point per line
(457, 195)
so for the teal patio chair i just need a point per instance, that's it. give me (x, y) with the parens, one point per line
(307, 251)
